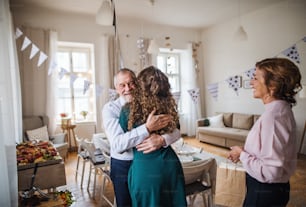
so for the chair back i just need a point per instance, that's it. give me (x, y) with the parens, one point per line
(197, 171)
(33, 122)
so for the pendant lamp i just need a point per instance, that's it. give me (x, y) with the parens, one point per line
(105, 14)
(153, 47)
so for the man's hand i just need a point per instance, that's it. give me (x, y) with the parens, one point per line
(234, 154)
(156, 122)
(152, 143)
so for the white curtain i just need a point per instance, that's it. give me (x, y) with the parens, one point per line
(10, 109)
(51, 109)
(190, 110)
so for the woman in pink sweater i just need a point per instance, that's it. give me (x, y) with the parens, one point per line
(269, 153)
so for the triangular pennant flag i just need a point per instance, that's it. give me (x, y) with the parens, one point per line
(213, 90)
(304, 39)
(62, 72)
(53, 65)
(42, 58)
(18, 33)
(25, 44)
(234, 82)
(112, 94)
(292, 53)
(34, 51)
(99, 90)
(176, 96)
(73, 77)
(86, 86)
(250, 73)
(194, 94)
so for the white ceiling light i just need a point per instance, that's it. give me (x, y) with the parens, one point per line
(153, 47)
(105, 14)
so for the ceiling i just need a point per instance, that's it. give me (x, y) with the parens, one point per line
(181, 13)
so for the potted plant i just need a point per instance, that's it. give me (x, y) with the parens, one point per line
(84, 114)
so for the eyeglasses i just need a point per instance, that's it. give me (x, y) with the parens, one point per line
(129, 84)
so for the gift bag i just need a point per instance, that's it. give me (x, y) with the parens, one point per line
(230, 185)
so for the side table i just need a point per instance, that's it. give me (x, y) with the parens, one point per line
(70, 135)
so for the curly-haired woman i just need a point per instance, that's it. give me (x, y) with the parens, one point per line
(269, 153)
(156, 178)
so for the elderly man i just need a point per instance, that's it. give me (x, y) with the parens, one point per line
(122, 143)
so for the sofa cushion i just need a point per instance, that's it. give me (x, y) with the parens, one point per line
(242, 121)
(38, 134)
(226, 132)
(216, 121)
(228, 119)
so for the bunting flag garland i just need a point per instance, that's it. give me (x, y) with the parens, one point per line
(62, 72)
(292, 53)
(34, 51)
(18, 33)
(176, 96)
(213, 90)
(99, 90)
(112, 94)
(42, 58)
(234, 82)
(52, 67)
(250, 73)
(86, 86)
(26, 43)
(194, 94)
(73, 77)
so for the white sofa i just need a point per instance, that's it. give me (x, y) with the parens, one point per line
(225, 129)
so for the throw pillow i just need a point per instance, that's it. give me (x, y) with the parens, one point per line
(38, 134)
(216, 121)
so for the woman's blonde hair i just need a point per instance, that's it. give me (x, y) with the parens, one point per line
(152, 92)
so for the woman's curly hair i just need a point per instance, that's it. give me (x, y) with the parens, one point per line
(283, 76)
(152, 92)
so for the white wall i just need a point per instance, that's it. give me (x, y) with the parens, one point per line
(270, 31)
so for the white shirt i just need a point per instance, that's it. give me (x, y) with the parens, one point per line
(121, 143)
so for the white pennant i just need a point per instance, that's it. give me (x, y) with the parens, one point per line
(25, 44)
(53, 65)
(62, 72)
(213, 90)
(176, 96)
(42, 58)
(34, 51)
(99, 90)
(194, 93)
(18, 33)
(86, 86)
(73, 77)
(112, 94)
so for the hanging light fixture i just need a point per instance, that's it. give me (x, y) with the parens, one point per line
(153, 47)
(105, 14)
(240, 34)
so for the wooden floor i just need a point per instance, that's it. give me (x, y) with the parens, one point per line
(85, 197)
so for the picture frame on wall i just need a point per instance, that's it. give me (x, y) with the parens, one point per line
(247, 84)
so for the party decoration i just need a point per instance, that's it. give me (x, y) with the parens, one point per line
(250, 73)
(234, 82)
(292, 53)
(42, 58)
(73, 77)
(195, 94)
(62, 72)
(86, 86)
(34, 51)
(213, 90)
(18, 33)
(26, 43)
(176, 96)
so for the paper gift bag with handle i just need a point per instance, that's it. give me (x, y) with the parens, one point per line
(230, 185)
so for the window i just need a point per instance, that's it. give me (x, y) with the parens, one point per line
(169, 63)
(76, 59)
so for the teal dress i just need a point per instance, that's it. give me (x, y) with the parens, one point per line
(155, 179)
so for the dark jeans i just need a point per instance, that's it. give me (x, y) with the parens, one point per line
(119, 172)
(266, 194)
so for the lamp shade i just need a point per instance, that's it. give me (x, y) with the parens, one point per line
(153, 47)
(105, 14)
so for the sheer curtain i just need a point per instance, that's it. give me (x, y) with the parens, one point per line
(51, 109)
(191, 111)
(10, 109)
